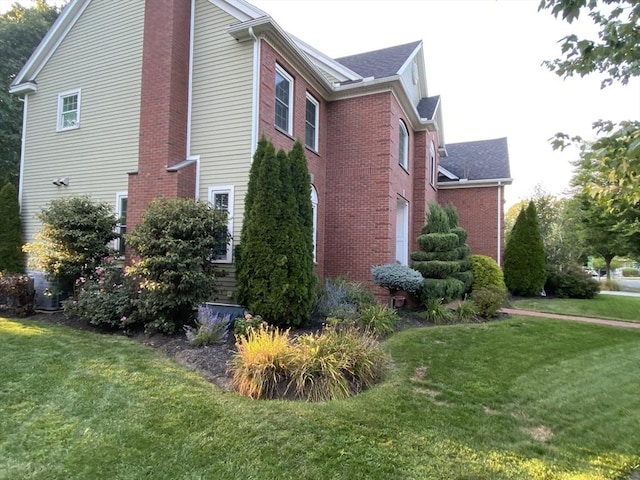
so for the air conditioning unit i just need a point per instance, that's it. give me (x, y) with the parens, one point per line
(48, 294)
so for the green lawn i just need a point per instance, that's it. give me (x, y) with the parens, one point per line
(518, 399)
(615, 307)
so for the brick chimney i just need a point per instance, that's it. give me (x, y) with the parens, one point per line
(163, 108)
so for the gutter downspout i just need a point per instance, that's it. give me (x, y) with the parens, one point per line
(255, 91)
(499, 223)
(188, 155)
(23, 144)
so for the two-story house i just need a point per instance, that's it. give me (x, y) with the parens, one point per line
(127, 101)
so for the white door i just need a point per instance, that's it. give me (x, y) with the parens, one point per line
(402, 231)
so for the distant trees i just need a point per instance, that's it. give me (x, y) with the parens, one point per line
(21, 29)
(274, 261)
(11, 257)
(524, 256)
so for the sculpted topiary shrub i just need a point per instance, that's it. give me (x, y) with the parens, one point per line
(174, 244)
(462, 252)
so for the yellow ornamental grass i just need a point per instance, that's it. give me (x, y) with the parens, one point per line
(259, 367)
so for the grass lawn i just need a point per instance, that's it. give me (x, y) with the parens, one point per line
(518, 399)
(614, 307)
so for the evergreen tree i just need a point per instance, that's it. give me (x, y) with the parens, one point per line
(464, 274)
(438, 258)
(11, 257)
(524, 256)
(275, 273)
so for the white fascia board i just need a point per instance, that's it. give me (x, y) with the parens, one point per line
(23, 88)
(325, 62)
(409, 59)
(447, 173)
(464, 183)
(239, 9)
(49, 44)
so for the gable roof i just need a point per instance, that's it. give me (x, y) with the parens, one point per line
(385, 62)
(427, 107)
(483, 161)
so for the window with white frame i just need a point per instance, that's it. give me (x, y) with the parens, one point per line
(433, 174)
(284, 101)
(121, 224)
(403, 145)
(311, 123)
(314, 206)
(68, 110)
(221, 198)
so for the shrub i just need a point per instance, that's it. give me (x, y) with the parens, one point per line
(395, 277)
(275, 261)
(571, 282)
(75, 236)
(465, 311)
(436, 312)
(260, 364)
(629, 272)
(488, 300)
(343, 299)
(17, 295)
(610, 285)
(524, 255)
(242, 325)
(445, 289)
(210, 328)
(106, 297)
(11, 257)
(319, 366)
(486, 272)
(174, 242)
(378, 319)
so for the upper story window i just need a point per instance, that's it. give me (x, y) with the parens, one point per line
(284, 101)
(403, 144)
(68, 110)
(433, 174)
(311, 123)
(221, 198)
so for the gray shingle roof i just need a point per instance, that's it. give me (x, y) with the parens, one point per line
(427, 107)
(379, 63)
(480, 160)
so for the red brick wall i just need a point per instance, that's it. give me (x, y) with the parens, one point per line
(478, 213)
(316, 161)
(423, 191)
(163, 107)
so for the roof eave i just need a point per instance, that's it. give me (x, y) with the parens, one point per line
(464, 183)
(24, 88)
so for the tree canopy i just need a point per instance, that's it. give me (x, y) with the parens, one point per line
(21, 30)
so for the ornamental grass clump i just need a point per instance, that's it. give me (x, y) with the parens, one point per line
(211, 327)
(378, 319)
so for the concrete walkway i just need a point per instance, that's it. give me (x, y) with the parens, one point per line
(601, 321)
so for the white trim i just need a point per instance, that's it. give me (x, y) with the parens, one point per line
(190, 81)
(284, 74)
(447, 173)
(314, 206)
(500, 214)
(23, 149)
(239, 9)
(61, 96)
(410, 58)
(402, 230)
(26, 87)
(229, 189)
(403, 158)
(255, 93)
(196, 158)
(433, 171)
(322, 61)
(464, 183)
(316, 120)
(119, 196)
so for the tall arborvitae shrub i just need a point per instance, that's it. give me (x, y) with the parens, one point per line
(11, 257)
(524, 255)
(275, 272)
(438, 258)
(464, 274)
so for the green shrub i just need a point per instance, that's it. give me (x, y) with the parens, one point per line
(378, 319)
(571, 282)
(211, 327)
(445, 289)
(436, 312)
(11, 256)
(610, 285)
(438, 242)
(105, 298)
(465, 311)
(486, 272)
(17, 295)
(488, 300)
(75, 236)
(629, 272)
(524, 255)
(174, 242)
(436, 268)
(242, 325)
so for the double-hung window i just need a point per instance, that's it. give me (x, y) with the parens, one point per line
(311, 123)
(284, 101)
(403, 145)
(68, 110)
(432, 165)
(221, 198)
